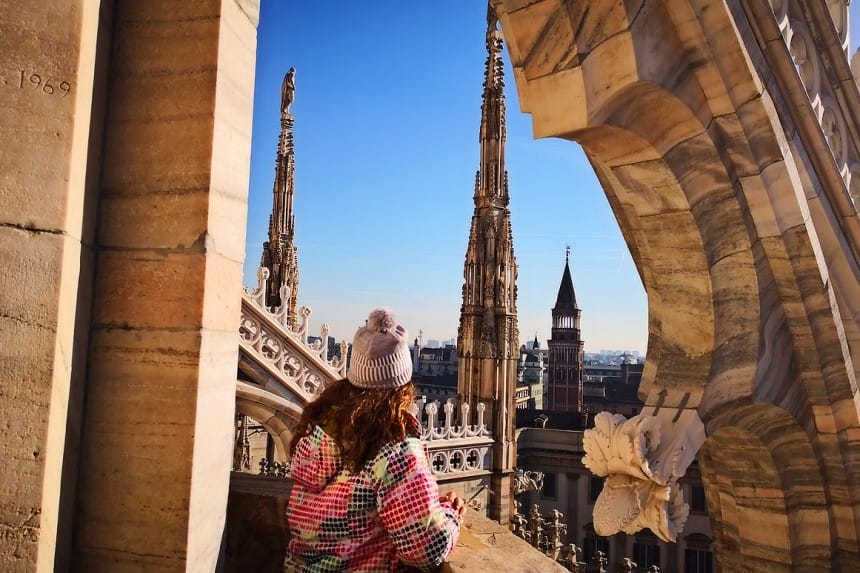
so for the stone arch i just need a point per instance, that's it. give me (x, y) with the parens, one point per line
(278, 416)
(767, 496)
(741, 178)
(673, 196)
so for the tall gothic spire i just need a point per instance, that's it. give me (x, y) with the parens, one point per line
(488, 336)
(491, 184)
(280, 254)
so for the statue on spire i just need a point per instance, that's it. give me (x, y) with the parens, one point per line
(288, 91)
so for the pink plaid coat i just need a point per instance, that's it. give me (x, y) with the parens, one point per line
(380, 519)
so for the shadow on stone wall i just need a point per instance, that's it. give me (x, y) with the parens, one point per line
(256, 533)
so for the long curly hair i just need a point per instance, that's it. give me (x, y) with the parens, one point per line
(361, 421)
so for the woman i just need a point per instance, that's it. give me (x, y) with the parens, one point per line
(363, 497)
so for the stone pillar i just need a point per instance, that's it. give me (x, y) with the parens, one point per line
(49, 162)
(501, 500)
(161, 385)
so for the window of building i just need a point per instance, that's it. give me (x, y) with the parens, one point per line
(549, 486)
(698, 557)
(646, 550)
(697, 499)
(595, 486)
(698, 561)
(592, 543)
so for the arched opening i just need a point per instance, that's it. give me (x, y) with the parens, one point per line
(681, 217)
(766, 497)
(272, 421)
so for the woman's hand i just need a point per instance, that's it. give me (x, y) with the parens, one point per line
(457, 503)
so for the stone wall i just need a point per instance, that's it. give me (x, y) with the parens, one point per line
(258, 534)
(125, 174)
(731, 192)
(163, 348)
(51, 83)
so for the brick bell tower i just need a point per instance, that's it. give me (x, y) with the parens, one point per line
(566, 348)
(488, 336)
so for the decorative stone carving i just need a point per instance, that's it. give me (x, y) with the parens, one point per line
(555, 528)
(536, 523)
(642, 460)
(274, 469)
(454, 448)
(519, 521)
(525, 480)
(241, 445)
(601, 561)
(572, 559)
(823, 99)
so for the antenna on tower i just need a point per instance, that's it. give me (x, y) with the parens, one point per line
(566, 253)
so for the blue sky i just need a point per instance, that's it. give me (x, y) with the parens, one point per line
(386, 112)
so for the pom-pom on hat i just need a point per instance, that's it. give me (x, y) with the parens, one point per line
(380, 353)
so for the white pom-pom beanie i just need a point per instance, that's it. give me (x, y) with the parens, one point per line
(380, 353)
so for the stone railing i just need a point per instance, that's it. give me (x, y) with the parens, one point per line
(287, 353)
(302, 367)
(456, 450)
(816, 71)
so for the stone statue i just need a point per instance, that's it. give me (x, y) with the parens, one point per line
(601, 561)
(536, 523)
(520, 522)
(627, 565)
(288, 91)
(525, 480)
(555, 529)
(573, 559)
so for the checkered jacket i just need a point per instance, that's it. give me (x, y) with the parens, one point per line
(381, 519)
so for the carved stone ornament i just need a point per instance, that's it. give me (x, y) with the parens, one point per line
(642, 460)
(525, 480)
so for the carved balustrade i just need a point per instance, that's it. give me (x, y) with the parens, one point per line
(456, 450)
(298, 363)
(820, 81)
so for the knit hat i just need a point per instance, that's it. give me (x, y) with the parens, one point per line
(380, 354)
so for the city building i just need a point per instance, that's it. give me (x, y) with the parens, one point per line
(436, 361)
(612, 388)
